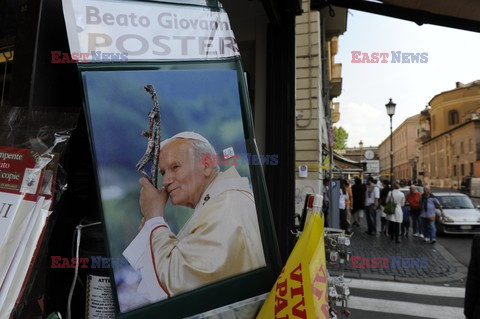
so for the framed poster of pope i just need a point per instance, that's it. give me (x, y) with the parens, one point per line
(186, 214)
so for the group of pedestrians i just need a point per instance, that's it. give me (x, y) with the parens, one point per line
(414, 208)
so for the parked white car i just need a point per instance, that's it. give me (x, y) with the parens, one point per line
(461, 216)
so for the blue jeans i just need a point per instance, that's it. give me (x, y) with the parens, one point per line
(429, 230)
(417, 227)
(371, 219)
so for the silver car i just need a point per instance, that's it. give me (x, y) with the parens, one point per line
(461, 216)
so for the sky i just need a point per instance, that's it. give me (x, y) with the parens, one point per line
(453, 56)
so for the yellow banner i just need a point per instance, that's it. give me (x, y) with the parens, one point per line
(325, 165)
(301, 290)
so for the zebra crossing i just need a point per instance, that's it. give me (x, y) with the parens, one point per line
(386, 299)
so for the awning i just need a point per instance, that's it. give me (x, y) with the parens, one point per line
(462, 9)
(345, 160)
(459, 14)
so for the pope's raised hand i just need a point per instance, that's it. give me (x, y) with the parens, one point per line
(152, 200)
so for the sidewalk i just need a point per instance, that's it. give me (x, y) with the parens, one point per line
(442, 266)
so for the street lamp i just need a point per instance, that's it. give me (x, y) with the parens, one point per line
(390, 112)
(361, 149)
(360, 159)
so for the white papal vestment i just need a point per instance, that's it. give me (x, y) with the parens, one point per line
(220, 240)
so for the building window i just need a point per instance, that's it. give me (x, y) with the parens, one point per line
(454, 170)
(470, 145)
(453, 117)
(461, 147)
(471, 169)
(462, 170)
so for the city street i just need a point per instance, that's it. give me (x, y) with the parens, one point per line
(436, 291)
(380, 299)
(458, 245)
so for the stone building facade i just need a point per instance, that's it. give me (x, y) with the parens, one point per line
(450, 136)
(318, 81)
(404, 151)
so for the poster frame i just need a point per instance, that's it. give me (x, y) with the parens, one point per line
(227, 291)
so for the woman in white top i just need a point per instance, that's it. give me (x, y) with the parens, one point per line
(342, 206)
(396, 219)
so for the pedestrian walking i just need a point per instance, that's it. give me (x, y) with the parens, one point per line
(413, 199)
(372, 196)
(342, 205)
(383, 201)
(472, 291)
(358, 195)
(428, 203)
(406, 221)
(348, 206)
(326, 201)
(395, 220)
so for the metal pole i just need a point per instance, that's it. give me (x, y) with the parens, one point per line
(330, 190)
(360, 161)
(391, 153)
(458, 172)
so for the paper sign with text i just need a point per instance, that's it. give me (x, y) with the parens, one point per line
(146, 31)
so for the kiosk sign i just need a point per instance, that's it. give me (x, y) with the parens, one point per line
(148, 31)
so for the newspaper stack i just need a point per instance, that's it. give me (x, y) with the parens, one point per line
(26, 188)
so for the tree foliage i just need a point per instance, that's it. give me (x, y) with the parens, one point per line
(340, 138)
